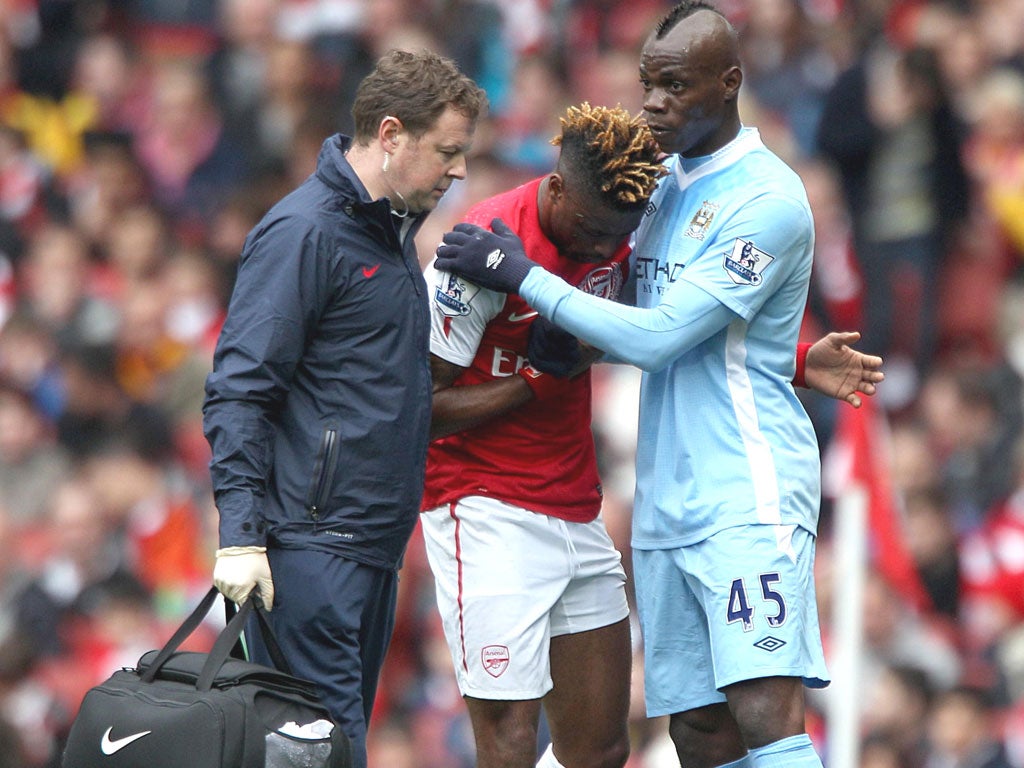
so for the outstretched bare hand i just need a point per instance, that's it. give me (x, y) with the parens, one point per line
(835, 369)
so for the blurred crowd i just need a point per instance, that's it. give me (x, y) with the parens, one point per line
(140, 140)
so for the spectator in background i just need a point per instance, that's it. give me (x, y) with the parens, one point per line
(290, 95)
(237, 67)
(1001, 23)
(190, 160)
(896, 707)
(28, 362)
(878, 750)
(995, 156)
(973, 417)
(488, 37)
(109, 183)
(522, 131)
(81, 555)
(92, 406)
(788, 70)
(266, 84)
(610, 80)
(140, 491)
(836, 295)
(41, 101)
(31, 705)
(896, 143)
(152, 367)
(913, 467)
(134, 249)
(933, 543)
(111, 80)
(230, 224)
(896, 637)
(193, 288)
(992, 575)
(56, 288)
(26, 183)
(31, 461)
(193, 313)
(954, 31)
(962, 732)
(588, 30)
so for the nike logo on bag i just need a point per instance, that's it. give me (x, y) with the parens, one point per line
(515, 317)
(108, 747)
(370, 271)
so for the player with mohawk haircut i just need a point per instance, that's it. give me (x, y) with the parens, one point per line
(530, 587)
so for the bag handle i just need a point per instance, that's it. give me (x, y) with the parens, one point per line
(187, 628)
(224, 643)
(269, 639)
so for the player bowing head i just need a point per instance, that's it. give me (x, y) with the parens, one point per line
(608, 167)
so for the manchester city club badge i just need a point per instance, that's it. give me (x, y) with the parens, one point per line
(701, 220)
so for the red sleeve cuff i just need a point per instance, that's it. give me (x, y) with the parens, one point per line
(799, 379)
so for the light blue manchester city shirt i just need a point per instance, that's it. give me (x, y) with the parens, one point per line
(721, 266)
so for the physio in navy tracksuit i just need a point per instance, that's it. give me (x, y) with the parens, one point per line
(318, 407)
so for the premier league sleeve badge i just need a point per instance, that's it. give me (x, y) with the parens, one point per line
(745, 263)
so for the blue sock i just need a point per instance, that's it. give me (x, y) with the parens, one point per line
(792, 752)
(743, 762)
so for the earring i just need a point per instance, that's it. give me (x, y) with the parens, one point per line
(387, 158)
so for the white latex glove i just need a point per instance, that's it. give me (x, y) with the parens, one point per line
(239, 569)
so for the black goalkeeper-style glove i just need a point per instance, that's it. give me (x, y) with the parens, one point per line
(551, 349)
(491, 259)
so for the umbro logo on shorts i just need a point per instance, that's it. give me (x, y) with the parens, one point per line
(769, 644)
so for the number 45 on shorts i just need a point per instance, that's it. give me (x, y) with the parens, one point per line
(742, 603)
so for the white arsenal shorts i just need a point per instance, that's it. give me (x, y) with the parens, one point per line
(507, 581)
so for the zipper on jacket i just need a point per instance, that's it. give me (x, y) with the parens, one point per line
(323, 474)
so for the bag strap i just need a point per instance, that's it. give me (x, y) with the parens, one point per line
(228, 637)
(224, 643)
(187, 628)
(266, 632)
(222, 646)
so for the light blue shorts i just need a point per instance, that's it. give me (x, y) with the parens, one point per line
(737, 606)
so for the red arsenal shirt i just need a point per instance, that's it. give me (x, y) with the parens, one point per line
(541, 455)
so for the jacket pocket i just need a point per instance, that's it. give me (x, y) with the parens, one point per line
(323, 474)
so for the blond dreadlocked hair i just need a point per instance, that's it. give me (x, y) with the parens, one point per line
(615, 150)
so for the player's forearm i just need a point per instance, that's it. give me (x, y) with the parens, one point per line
(650, 339)
(456, 409)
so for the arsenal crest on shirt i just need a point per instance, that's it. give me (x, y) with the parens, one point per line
(604, 282)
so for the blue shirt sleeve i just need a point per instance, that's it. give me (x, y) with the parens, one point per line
(650, 339)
